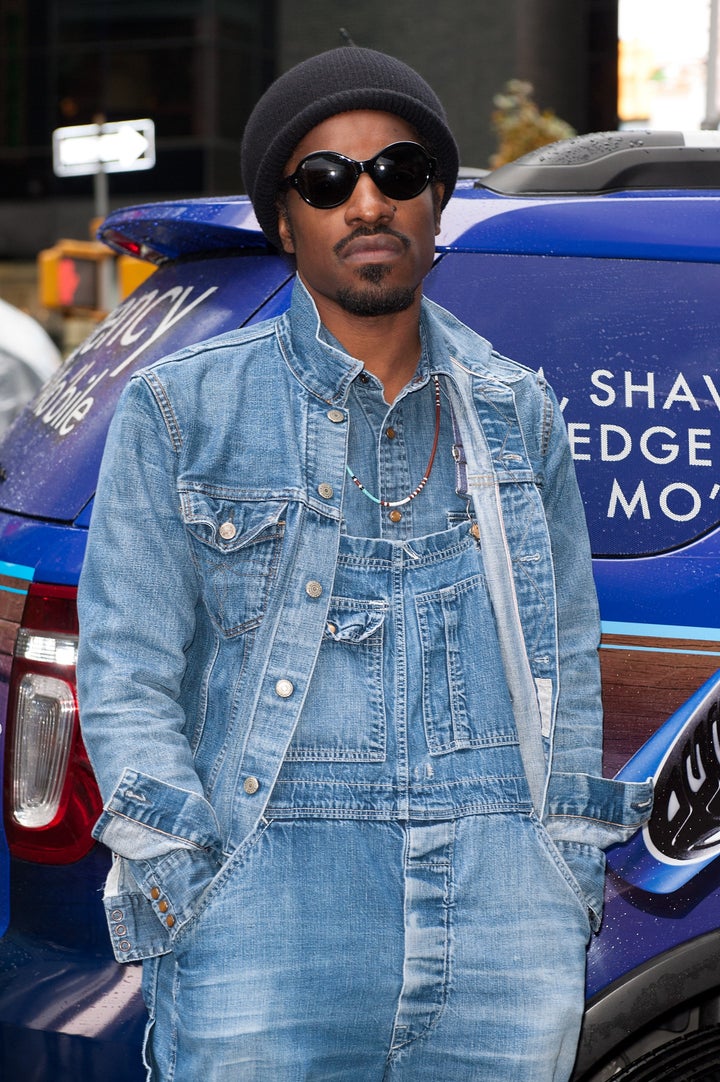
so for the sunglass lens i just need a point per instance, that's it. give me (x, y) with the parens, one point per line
(325, 180)
(403, 171)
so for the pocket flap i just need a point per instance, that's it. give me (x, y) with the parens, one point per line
(349, 622)
(230, 524)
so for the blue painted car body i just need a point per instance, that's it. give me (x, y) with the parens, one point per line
(615, 297)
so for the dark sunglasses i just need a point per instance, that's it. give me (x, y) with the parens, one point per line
(327, 179)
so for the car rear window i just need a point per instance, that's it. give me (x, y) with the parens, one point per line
(631, 348)
(49, 460)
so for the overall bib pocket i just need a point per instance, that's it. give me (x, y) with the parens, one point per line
(343, 718)
(465, 701)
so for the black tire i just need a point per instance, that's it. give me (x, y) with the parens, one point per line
(692, 1058)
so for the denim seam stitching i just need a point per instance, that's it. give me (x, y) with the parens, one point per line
(166, 409)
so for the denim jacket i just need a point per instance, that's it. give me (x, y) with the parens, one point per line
(206, 585)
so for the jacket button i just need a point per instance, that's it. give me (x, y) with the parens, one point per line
(326, 491)
(336, 416)
(227, 531)
(284, 688)
(313, 588)
(251, 785)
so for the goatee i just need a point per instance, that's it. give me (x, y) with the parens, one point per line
(375, 302)
(372, 301)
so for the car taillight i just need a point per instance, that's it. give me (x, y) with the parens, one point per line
(51, 798)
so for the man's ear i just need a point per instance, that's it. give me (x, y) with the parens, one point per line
(285, 228)
(438, 191)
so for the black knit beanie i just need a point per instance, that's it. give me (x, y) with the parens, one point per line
(336, 82)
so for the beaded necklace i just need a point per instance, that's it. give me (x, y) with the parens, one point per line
(428, 468)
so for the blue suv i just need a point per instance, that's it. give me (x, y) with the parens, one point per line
(597, 259)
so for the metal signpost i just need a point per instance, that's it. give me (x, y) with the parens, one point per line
(711, 103)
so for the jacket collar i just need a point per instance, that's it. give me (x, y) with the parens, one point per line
(459, 346)
(322, 366)
(319, 364)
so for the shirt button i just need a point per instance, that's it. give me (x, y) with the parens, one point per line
(313, 589)
(163, 906)
(251, 785)
(395, 515)
(336, 416)
(390, 433)
(170, 920)
(227, 531)
(284, 688)
(326, 491)
(154, 894)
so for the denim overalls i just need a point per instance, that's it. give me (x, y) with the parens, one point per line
(379, 926)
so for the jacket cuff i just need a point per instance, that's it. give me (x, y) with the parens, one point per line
(595, 811)
(149, 902)
(147, 818)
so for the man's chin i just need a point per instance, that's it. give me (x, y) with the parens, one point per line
(375, 302)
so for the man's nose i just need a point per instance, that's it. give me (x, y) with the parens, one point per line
(367, 203)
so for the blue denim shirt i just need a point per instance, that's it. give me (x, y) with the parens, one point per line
(207, 580)
(388, 449)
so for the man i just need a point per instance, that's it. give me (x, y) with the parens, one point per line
(338, 666)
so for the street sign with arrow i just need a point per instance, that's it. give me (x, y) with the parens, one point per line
(85, 149)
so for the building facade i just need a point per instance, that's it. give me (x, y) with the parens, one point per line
(195, 67)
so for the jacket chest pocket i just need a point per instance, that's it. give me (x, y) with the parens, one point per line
(343, 717)
(465, 702)
(236, 547)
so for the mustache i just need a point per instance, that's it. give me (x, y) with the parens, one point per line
(366, 231)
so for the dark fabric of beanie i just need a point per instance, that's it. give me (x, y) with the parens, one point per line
(333, 82)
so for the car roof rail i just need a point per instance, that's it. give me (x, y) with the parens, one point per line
(613, 161)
